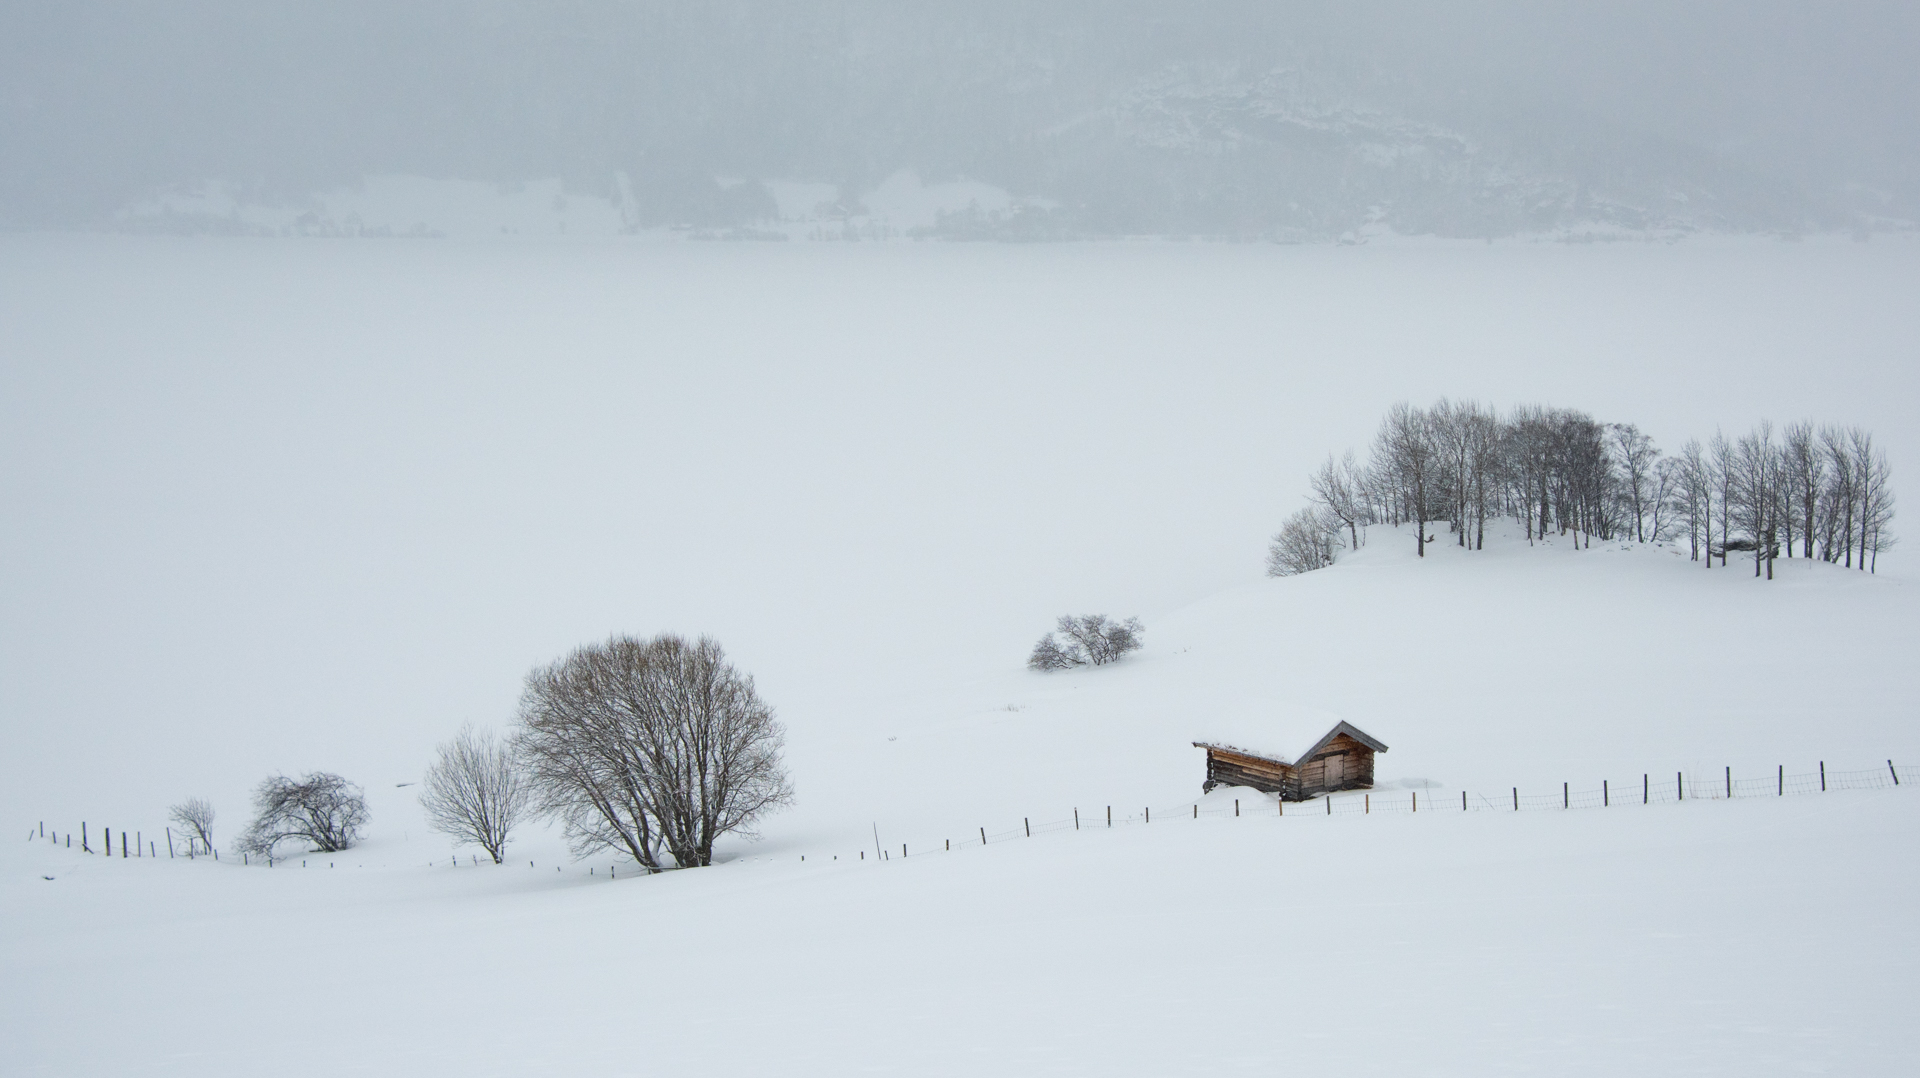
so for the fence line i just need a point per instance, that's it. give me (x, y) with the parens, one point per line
(1650, 789)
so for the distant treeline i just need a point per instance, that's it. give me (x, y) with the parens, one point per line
(1814, 491)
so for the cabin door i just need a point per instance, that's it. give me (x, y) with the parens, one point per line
(1336, 771)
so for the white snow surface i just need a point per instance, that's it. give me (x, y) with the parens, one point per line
(283, 506)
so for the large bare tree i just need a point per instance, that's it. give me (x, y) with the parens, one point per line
(320, 807)
(475, 791)
(651, 747)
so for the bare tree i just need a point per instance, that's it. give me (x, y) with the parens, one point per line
(1450, 427)
(1752, 494)
(1874, 481)
(475, 791)
(1635, 454)
(1806, 471)
(1307, 541)
(1484, 458)
(1724, 470)
(1407, 451)
(1526, 445)
(1669, 474)
(320, 808)
(1841, 496)
(1694, 497)
(1340, 490)
(649, 747)
(195, 817)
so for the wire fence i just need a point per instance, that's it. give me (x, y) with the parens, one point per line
(1648, 789)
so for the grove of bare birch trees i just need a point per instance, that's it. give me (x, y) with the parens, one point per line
(1803, 490)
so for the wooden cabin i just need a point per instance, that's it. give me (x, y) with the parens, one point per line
(1341, 760)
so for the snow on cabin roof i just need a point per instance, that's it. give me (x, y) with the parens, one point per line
(1282, 736)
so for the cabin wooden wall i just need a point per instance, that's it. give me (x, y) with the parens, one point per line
(1233, 769)
(1359, 767)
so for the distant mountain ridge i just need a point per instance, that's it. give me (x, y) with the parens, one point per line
(1236, 119)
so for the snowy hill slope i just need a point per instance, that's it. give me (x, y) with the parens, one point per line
(1515, 665)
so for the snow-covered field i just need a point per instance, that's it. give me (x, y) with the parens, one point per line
(1708, 938)
(283, 505)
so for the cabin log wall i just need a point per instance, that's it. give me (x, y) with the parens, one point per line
(1268, 776)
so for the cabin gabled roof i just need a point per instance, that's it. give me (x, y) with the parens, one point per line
(1352, 731)
(1240, 745)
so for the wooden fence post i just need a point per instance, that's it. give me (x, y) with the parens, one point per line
(1680, 785)
(983, 836)
(1566, 799)
(1076, 819)
(1646, 791)
(1463, 800)
(123, 845)
(1329, 800)
(83, 837)
(108, 831)
(1606, 799)
(169, 843)
(1895, 774)
(1024, 822)
(1196, 810)
(1366, 804)
(139, 843)
(1516, 799)
(1782, 779)
(1729, 782)
(1236, 801)
(1149, 813)
(1416, 800)
(1823, 776)
(1109, 815)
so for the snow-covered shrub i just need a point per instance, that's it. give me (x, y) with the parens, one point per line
(1091, 640)
(321, 808)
